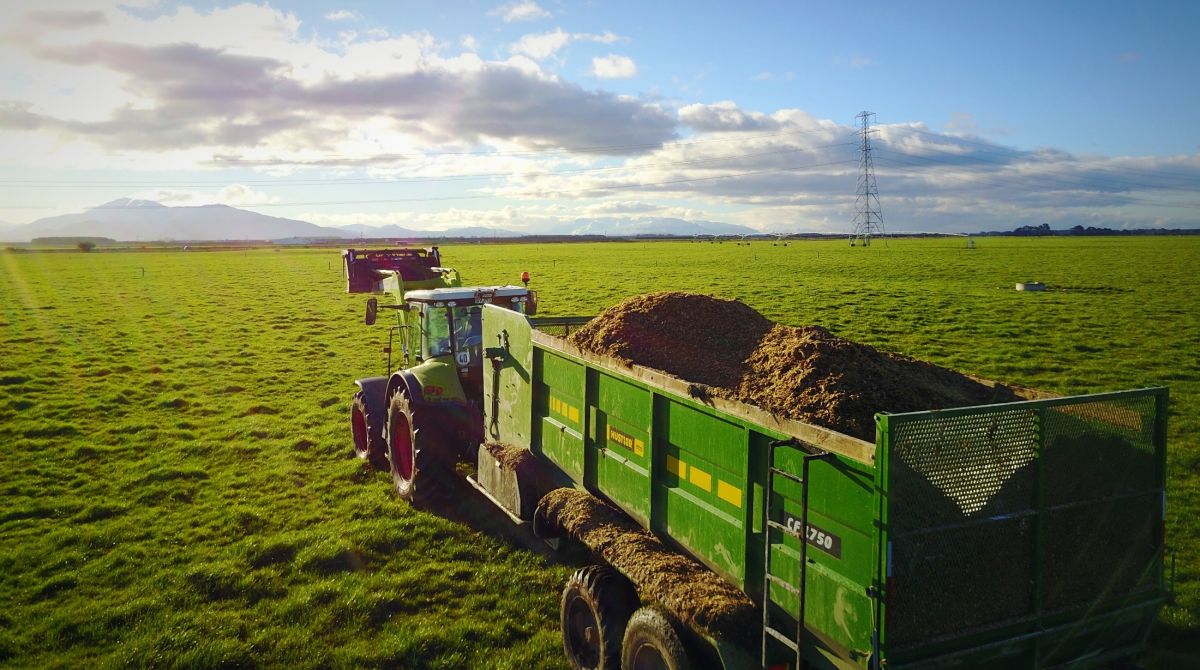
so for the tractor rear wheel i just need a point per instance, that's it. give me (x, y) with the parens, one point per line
(595, 606)
(368, 432)
(411, 453)
(652, 642)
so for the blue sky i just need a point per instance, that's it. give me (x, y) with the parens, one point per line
(527, 115)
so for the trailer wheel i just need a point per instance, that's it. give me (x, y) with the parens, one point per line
(410, 458)
(368, 432)
(596, 603)
(652, 642)
(542, 528)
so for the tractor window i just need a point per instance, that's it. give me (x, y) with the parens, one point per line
(435, 331)
(468, 333)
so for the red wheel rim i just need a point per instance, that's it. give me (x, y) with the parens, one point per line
(402, 446)
(358, 425)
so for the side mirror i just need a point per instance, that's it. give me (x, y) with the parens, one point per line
(531, 304)
(372, 311)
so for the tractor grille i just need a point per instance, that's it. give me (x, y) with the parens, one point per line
(1001, 514)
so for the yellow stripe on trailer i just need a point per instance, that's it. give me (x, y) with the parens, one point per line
(701, 478)
(676, 467)
(729, 493)
(564, 409)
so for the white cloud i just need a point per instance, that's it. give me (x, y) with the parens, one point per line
(771, 76)
(469, 43)
(961, 122)
(510, 218)
(175, 198)
(725, 116)
(531, 218)
(342, 15)
(243, 84)
(234, 195)
(855, 61)
(614, 67)
(240, 194)
(520, 11)
(541, 46)
(788, 171)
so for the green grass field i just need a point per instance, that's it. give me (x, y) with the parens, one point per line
(179, 488)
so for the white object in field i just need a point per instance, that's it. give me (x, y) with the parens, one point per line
(1031, 286)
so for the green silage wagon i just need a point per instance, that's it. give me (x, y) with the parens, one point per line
(1019, 535)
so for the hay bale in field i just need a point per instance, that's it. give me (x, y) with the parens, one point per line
(695, 594)
(804, 373)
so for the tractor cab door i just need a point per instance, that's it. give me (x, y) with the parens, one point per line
(435, 327)
(468, 348)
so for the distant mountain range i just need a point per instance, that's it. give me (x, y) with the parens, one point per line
(146, 220)
(131, 220)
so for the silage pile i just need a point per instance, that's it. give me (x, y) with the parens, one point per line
(695, 594)
(508, 456)
(804, 373)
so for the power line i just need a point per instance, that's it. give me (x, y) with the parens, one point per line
(614, 148)
(527, 194)
(362, 181)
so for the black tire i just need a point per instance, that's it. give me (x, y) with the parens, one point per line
(410, 452)
(652, 642)
(596, 603)
(367, 430)
(541, 527)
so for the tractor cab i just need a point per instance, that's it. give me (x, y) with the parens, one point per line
(447, 326)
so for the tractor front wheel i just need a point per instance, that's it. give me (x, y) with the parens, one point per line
(410, 452)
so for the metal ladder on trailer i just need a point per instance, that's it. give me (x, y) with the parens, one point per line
(791, 642)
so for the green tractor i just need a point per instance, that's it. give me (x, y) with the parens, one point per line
(426, 413)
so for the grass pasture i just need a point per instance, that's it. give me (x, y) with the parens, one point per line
(179, 488)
